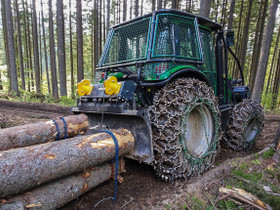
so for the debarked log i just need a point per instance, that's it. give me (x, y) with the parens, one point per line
(38, 133)
(27, 167)
(59, 192)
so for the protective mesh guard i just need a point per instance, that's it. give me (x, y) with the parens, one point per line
(152, 70)
(176, 37)
(129, 43)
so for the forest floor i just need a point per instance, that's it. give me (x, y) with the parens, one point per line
(141, 189)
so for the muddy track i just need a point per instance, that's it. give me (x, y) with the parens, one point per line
(18, 113)
(141, 189)
(37, 107)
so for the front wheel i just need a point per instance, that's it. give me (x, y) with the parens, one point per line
(245, 125)
(186, 129)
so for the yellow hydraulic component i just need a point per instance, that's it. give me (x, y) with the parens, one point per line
(84, 87)
(112, 86)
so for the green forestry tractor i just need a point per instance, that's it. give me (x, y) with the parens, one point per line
(161, 77)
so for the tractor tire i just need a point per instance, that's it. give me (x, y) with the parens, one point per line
(245, 125)
(186, 130)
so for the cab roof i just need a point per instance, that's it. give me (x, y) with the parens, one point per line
(201, 20)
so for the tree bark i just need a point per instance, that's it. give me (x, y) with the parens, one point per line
(25, 42)
(61, 48)
(79, 26)
(276, 84)
(42, 132)
(175, 4)
(103, 25)
(153, 5)
(108, 15)
(159, 4)
(124, 11)
(136, 8)
(257, 45)
(63, 190)
(30, 46)
(245, 36)
(235, 70)
(3, 13)
(11, 47)
(261, 70)
(95, 32)
(40, 48)
(36, 49)
(20, 48)
(142, 6)
(271, 72)
(45, 48)
(164, 4)
(27, 167)
(52, 53)
(204, 10)
(71, 49)
(224, 13)
(231, 12)
(100, 28)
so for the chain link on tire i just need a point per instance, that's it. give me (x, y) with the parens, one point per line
(171, 106)
(245, 125)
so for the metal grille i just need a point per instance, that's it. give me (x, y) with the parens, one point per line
(208, 67)
(176, 36)
(129, 43)
(152, 70)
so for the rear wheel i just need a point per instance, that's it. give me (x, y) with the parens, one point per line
(245, 125)
(186, 129)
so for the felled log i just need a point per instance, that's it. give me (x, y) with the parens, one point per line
(27, 167)
(38, 133)
(56, 194)
(246, 197)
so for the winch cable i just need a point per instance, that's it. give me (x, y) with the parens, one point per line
(102, 112)
(116, 170)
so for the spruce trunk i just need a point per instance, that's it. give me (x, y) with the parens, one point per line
(42, 132)
(28, 167)
(63, 190)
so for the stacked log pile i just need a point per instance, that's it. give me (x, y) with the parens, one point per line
(64, 169)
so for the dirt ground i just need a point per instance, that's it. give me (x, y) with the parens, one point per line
(141, 189)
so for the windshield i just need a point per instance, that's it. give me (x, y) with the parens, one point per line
(128, 43)
(176, 36)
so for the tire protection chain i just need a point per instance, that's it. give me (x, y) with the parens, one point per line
(169, 101)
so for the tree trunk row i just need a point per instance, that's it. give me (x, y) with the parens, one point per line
(59, 192)
(28, 167)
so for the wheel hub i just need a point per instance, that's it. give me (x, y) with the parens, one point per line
(198, 130)
(251, 130)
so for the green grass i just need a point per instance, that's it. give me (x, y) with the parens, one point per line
(251, 177)
(268, 154)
